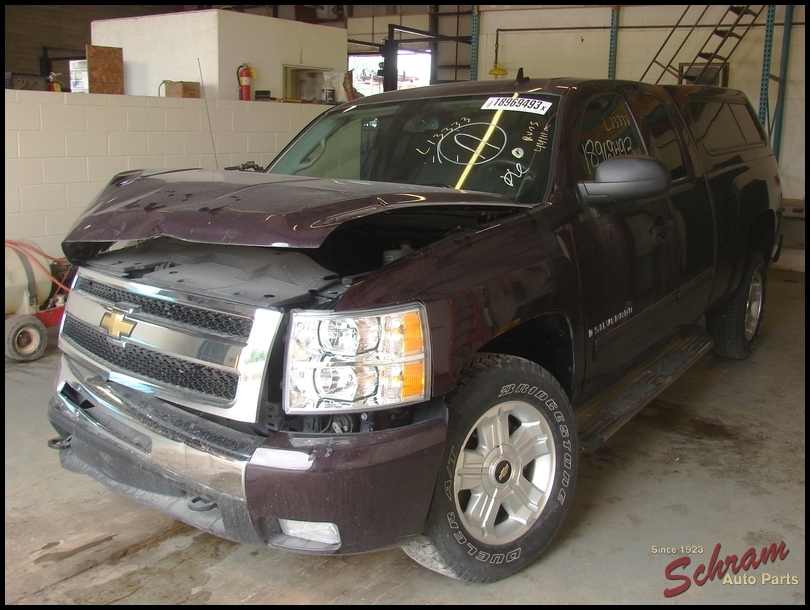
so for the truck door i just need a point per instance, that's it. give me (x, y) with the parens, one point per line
(691, 202)
(626, 252)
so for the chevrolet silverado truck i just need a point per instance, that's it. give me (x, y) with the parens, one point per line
(406, 328)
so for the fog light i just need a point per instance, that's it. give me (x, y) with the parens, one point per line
(325, 533)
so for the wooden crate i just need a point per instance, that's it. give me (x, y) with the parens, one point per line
(182, 89)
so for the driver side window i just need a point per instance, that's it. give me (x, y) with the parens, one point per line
(607, 131)
(336, 157)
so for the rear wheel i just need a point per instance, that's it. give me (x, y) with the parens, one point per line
(26, 338)
(507, 474)
(735, 325)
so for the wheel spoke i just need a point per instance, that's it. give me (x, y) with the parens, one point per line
(481, 513)
(523, 500)
(529, 442)
(470, 471)
(494, 430)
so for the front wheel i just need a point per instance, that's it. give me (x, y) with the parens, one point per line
(507, 474)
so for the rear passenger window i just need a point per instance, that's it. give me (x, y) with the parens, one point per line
(748, 123)
(666, 146)
(607, 131)
(716, 126)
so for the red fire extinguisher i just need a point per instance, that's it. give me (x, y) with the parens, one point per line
(243, 74)
(53, 84)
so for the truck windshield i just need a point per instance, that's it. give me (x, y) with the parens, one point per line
(498, 144)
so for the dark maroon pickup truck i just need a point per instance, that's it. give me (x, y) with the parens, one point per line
(405, 329)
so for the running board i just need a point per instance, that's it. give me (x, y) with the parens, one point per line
(600, 418)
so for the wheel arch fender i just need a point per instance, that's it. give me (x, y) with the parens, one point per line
(762, 235)
(546, 340)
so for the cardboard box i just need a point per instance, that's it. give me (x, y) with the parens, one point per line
(182, 89)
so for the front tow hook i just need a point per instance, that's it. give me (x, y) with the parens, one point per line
(59, 443)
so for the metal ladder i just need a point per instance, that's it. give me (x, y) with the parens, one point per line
(716, 50)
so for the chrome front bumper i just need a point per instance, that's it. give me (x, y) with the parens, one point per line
(374, 487)
(156, 454)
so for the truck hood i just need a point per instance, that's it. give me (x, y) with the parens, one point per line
(244, 208)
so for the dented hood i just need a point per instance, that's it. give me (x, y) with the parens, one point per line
(243, 208)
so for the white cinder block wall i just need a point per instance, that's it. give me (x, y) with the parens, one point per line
(62, 148)
(181, 46)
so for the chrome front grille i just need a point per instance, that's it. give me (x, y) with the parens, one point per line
(198, 352)
(152, 365)
(211, 321)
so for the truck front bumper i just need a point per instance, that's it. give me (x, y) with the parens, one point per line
(375, 488)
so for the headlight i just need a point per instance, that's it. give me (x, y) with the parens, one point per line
(364, 360)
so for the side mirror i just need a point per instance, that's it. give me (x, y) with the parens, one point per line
(624, 178)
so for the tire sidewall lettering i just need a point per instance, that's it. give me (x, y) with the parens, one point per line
(530, 390)
(479, 555)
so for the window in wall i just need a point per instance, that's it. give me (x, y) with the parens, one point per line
(303, 83)
(413, 71)
(714, 74)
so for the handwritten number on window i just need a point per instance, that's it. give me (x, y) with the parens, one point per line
(596, 151)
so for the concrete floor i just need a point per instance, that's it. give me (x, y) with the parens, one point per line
(719, 458)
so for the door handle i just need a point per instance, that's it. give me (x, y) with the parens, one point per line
(661, 227)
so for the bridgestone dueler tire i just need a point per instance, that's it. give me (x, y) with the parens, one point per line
(26, 338)
(736, 324)
(507, 474)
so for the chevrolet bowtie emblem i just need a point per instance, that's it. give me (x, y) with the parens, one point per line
(116, 324)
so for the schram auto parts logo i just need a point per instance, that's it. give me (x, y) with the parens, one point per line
(726, 570)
